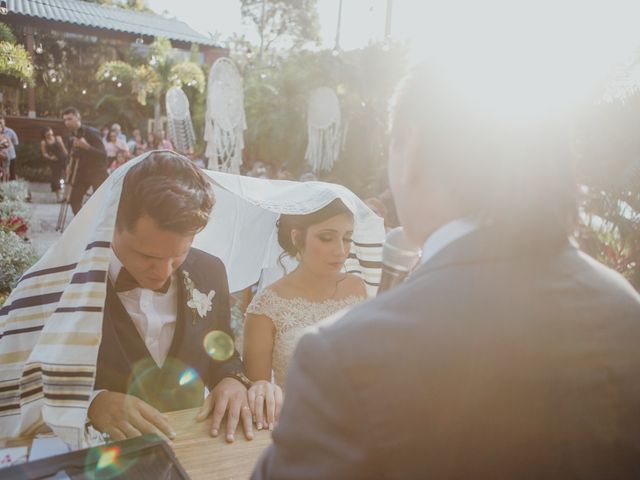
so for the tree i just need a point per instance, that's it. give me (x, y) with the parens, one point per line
(15, 61)
(276, 108)
(283, 25)
(154, 77)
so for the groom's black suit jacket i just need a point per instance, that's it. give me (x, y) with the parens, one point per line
(493, 361)
(125, 365)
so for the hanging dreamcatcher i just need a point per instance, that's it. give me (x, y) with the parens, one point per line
(225, 121)
(323, 124)
(180, 128)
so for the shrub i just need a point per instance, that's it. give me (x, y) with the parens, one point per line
(15, 208)
(16, 256)
(14, 190)
(15, 224)
(30, 164)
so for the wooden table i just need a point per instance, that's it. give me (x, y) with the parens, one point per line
(205, 457)
(201, 455)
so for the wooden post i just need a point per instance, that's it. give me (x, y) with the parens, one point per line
(31, 93)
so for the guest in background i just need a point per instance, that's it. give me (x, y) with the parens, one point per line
(137, 145)
(113, 145)
(121, 157)
(308, 177)
(104, 132)
(55, 154)
(150, 141)
(160, 142)
(317, 288)
(121, 136)
(5, 147)
(13, 137)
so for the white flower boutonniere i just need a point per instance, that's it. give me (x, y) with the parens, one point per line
(199, 303)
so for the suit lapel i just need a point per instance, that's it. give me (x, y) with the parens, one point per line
(183, 319)
(127, 333)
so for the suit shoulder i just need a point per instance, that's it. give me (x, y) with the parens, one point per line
(202, 259)
(94, 131)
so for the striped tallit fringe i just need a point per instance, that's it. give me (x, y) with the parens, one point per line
(50, 331)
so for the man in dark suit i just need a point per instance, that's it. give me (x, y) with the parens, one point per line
(166, 333)
(86, 148)
(507, 354)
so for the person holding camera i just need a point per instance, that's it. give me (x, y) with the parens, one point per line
(88, 158)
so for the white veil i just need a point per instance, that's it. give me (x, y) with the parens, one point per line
(51, 324)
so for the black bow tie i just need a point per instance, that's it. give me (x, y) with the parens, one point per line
(126, 282)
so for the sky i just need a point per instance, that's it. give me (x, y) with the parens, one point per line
(517, 42)
(362, 20)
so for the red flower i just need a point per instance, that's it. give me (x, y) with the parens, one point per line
(16, 224)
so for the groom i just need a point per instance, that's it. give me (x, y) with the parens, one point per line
(164, 300)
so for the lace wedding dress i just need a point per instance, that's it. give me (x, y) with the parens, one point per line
(290, 317)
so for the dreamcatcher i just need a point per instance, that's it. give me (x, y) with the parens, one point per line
(180, 128)
(225, 121)
(323, 124)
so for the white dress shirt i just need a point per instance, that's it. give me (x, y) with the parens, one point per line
(445, 235)
(154, 314)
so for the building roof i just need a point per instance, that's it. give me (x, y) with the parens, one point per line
(107, 17)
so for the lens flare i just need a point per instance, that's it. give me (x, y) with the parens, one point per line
(175, 386)
(107, 458)
(188, 376)
(218, 345)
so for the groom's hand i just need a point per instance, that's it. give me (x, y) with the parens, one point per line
(229, 396)
(125, 416)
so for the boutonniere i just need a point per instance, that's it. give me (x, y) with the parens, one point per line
(199, 303)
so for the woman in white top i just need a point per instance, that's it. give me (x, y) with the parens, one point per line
(317, 288)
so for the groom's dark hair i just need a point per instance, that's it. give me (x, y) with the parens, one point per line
(168, 188)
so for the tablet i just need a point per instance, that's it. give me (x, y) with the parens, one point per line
(147, 457)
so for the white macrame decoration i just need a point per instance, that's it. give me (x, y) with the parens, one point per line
(180, 128)
(225, 120)
(323, 125)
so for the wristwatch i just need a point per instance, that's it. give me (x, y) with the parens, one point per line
(241, 377)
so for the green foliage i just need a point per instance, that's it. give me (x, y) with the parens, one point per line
(15, 62)
(16, 256)
(188, 74)
(152, 76)
(116, 71)
(6, 34)
(276, 105)
(29, 163)
(609, 170)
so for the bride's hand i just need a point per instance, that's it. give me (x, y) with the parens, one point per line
(264, 395)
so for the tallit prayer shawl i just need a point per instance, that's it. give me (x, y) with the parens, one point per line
(51, 324)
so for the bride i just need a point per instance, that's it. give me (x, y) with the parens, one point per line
(317, 288)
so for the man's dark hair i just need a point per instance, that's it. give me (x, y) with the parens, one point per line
(72, 110)
(517, 173)
(168, 188)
